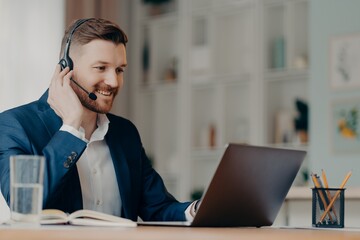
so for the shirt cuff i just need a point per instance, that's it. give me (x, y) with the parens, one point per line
(73, 131)
(190, 212)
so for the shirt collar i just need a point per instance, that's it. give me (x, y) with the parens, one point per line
(102, 123)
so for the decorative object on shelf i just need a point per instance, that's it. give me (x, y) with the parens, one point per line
(301, 121)
(345, 126)
(301, 62)
(171, 71)
(284, 127)
(278, 53)
(208, 136)
(345, 61)
(212, 136)
(146, 62)
(157, 7)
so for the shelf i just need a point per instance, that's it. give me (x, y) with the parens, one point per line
(156, 87)
(168, 18)
(234, 53)
(216, 5)
(286, 75)
(206, 81)
(163, 54)
(226, 87)
(285, 34)
(207, 154)
(231, 5)
(296, 146)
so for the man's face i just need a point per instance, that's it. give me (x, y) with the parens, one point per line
(99, 67)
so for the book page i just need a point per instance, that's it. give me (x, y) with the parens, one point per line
(53, 216)
(84, 217)
(93, 218)
(100, 223)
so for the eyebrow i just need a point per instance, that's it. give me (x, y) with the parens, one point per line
(106, 63)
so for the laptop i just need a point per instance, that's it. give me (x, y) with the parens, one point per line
(248, 187)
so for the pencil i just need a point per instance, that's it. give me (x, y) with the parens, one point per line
(317, 185)
(326, 185)
(335, 197)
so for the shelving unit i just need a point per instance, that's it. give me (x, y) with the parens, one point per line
(286, 62)
(233, 66)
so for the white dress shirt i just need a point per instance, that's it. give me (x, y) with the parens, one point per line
(99, 187)
(94, 166)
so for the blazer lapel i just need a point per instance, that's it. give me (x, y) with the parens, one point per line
(122, 172)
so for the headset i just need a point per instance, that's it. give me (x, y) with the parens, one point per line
(66, 61)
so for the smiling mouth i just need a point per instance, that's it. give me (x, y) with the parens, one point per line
(104, 93)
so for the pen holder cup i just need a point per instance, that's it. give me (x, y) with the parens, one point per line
(328, 207)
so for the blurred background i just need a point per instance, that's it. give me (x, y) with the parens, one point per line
(203, 73)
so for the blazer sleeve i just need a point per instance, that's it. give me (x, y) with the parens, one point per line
(157, 203)
(20, 134)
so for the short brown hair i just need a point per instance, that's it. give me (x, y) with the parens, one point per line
(91, 29)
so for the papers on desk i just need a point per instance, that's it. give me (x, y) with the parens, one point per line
(4, 210)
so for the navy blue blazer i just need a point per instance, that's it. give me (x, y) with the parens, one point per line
(34, 129)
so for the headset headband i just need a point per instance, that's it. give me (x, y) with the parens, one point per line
(68, 41)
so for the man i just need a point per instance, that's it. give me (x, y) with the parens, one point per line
(94, 160)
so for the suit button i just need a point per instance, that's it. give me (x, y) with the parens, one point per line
(70, 159)
(66, 164)
(73, 155)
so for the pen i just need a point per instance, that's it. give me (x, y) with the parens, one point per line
(336, 196)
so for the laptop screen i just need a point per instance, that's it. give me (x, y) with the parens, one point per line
(249, 186)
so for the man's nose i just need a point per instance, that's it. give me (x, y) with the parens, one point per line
(112, 79)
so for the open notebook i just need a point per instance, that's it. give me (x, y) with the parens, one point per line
(247, 189)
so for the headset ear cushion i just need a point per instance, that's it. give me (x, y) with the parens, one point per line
(63, 63)
(66, 62)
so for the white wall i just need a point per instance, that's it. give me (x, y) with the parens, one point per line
(30, 39)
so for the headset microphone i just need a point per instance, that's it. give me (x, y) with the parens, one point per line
(66, 61)
(91, 95)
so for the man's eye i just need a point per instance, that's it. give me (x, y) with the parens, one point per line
(101, 68)
(119, 70)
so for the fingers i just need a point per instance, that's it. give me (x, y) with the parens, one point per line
(59, 74)
(59, 83)
(67, 77)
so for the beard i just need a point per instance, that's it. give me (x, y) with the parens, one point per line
(93, 105)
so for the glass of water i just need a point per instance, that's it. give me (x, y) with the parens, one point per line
(26, 183)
